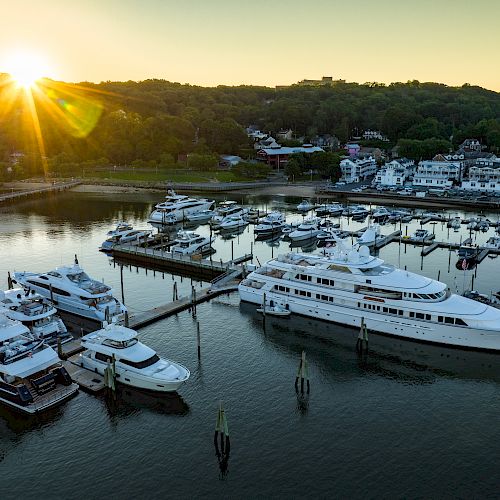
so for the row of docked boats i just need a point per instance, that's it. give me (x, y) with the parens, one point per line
(32, 377)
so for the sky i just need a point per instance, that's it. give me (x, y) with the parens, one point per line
(259, 42)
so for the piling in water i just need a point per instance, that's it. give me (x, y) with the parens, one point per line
(362, 342)
(302, 375)
(221, 441)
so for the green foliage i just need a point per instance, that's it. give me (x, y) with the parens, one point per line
(255, 170)
(156, 121)
(327, 164)
(426, 149)
(202, 162)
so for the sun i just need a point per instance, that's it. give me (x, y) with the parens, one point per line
(25, 68)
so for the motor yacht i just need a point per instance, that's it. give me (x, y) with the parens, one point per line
(359, 213)
(71, 290)
(272, 223)
(226, 209)
(177, 207)
(349, 286)
(129, 237)
(189, 243)
(380, 214)
(455, 223)
(35, 312)
(232, 222)
(120, 228)
(370, 235)
(135, 364)
(305, 206)
(32, 378)
(201, 216)
(309, 229)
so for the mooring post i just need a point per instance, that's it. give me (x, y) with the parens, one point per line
(198, 339)
(302, 375)
(264, 304)
(121, 283)
(59, 347)
(9, 281)
(362, 337)
(439, 273)
(126, 319)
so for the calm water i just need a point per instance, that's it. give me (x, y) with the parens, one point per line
(407, 420)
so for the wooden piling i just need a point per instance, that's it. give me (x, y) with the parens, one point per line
(362, 342)
(302, 375)
(121, 284)
(198, 339)
(9, 281)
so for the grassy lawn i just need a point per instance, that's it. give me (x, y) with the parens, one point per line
(165, 175)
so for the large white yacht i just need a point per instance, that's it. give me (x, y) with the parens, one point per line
(308, 229)
(73, 291)
(226, 209)
(349, 284)
(35, 312)
(177, 206)
(135, 363)
(31, 375)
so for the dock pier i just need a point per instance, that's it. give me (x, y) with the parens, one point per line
(55, 188)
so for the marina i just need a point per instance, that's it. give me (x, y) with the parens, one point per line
(227, 346)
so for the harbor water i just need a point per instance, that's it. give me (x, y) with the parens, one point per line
(405, 420)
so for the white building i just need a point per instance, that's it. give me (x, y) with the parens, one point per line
(356, 170)
(374, 135)
(483, 176)
(437, 174)
(395, 173)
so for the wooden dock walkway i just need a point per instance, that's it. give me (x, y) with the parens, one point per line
(204, 269)
(86, 379)
(427, 250)
(55, 188)
(140, 320)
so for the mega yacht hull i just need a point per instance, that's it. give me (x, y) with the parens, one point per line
(158, 217)
(463, 337)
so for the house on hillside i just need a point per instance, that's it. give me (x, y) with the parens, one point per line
(437, 173)
(285, 135)
(395, 173)
(352, 149)
(470, 145)
(374, 135)
(483, 176)
(357, 169)
(365, 152)
(327, 142)
(277, 157)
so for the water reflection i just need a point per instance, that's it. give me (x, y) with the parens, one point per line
(128, 401)
(333, 348)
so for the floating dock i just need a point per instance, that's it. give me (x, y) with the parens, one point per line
(86, 379)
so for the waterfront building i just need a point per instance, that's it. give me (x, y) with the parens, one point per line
(285, 135)
(277, 157)
(483, 176)
(357, 169)
(374, 135)
(352, 149)
(395, 173)
(470, 145)
(437, 173)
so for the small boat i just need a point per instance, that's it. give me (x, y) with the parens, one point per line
(305, 206)
(423, 234)
(201, 216)
(189, 243)
(380, 214)
(226, 209)
(468, 252)
(271, 224)
(309, 229)
(274, 310)
(135, 364)
(120, 228)
(130, 237)
(493, 243)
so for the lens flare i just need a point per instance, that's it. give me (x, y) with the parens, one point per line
(25, 68)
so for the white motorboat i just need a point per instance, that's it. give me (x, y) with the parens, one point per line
(35, 312)
(423, 234)
(226, 209)
(274, 310)
(380, 214)
(370, 235)
(176, 208)
(271, 224)
(305, 206)
(493, 243)
(32, 378)
(201, 216)
(120, 228)
(349, 286)
(309, 229)
(135, 364)
(189, 243)
(129, 237)
(455, 223)
(71, 290)
(359, 212)
(232, 222)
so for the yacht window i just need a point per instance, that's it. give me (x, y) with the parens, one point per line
(393, 311)
(460, 321)
(141, 364)
(412, 314)
(102, 357)
(448, 320)
(324, 297)
(43, 277)
(385, 309)
(78, 277)
(53, 273)
(378, 308)
(419, 315)
(428, 317)
(440, 319)
(400, 312)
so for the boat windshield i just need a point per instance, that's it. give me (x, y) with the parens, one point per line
(120, 344)
(78, 277)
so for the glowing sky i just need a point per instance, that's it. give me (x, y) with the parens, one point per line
(266, 42)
